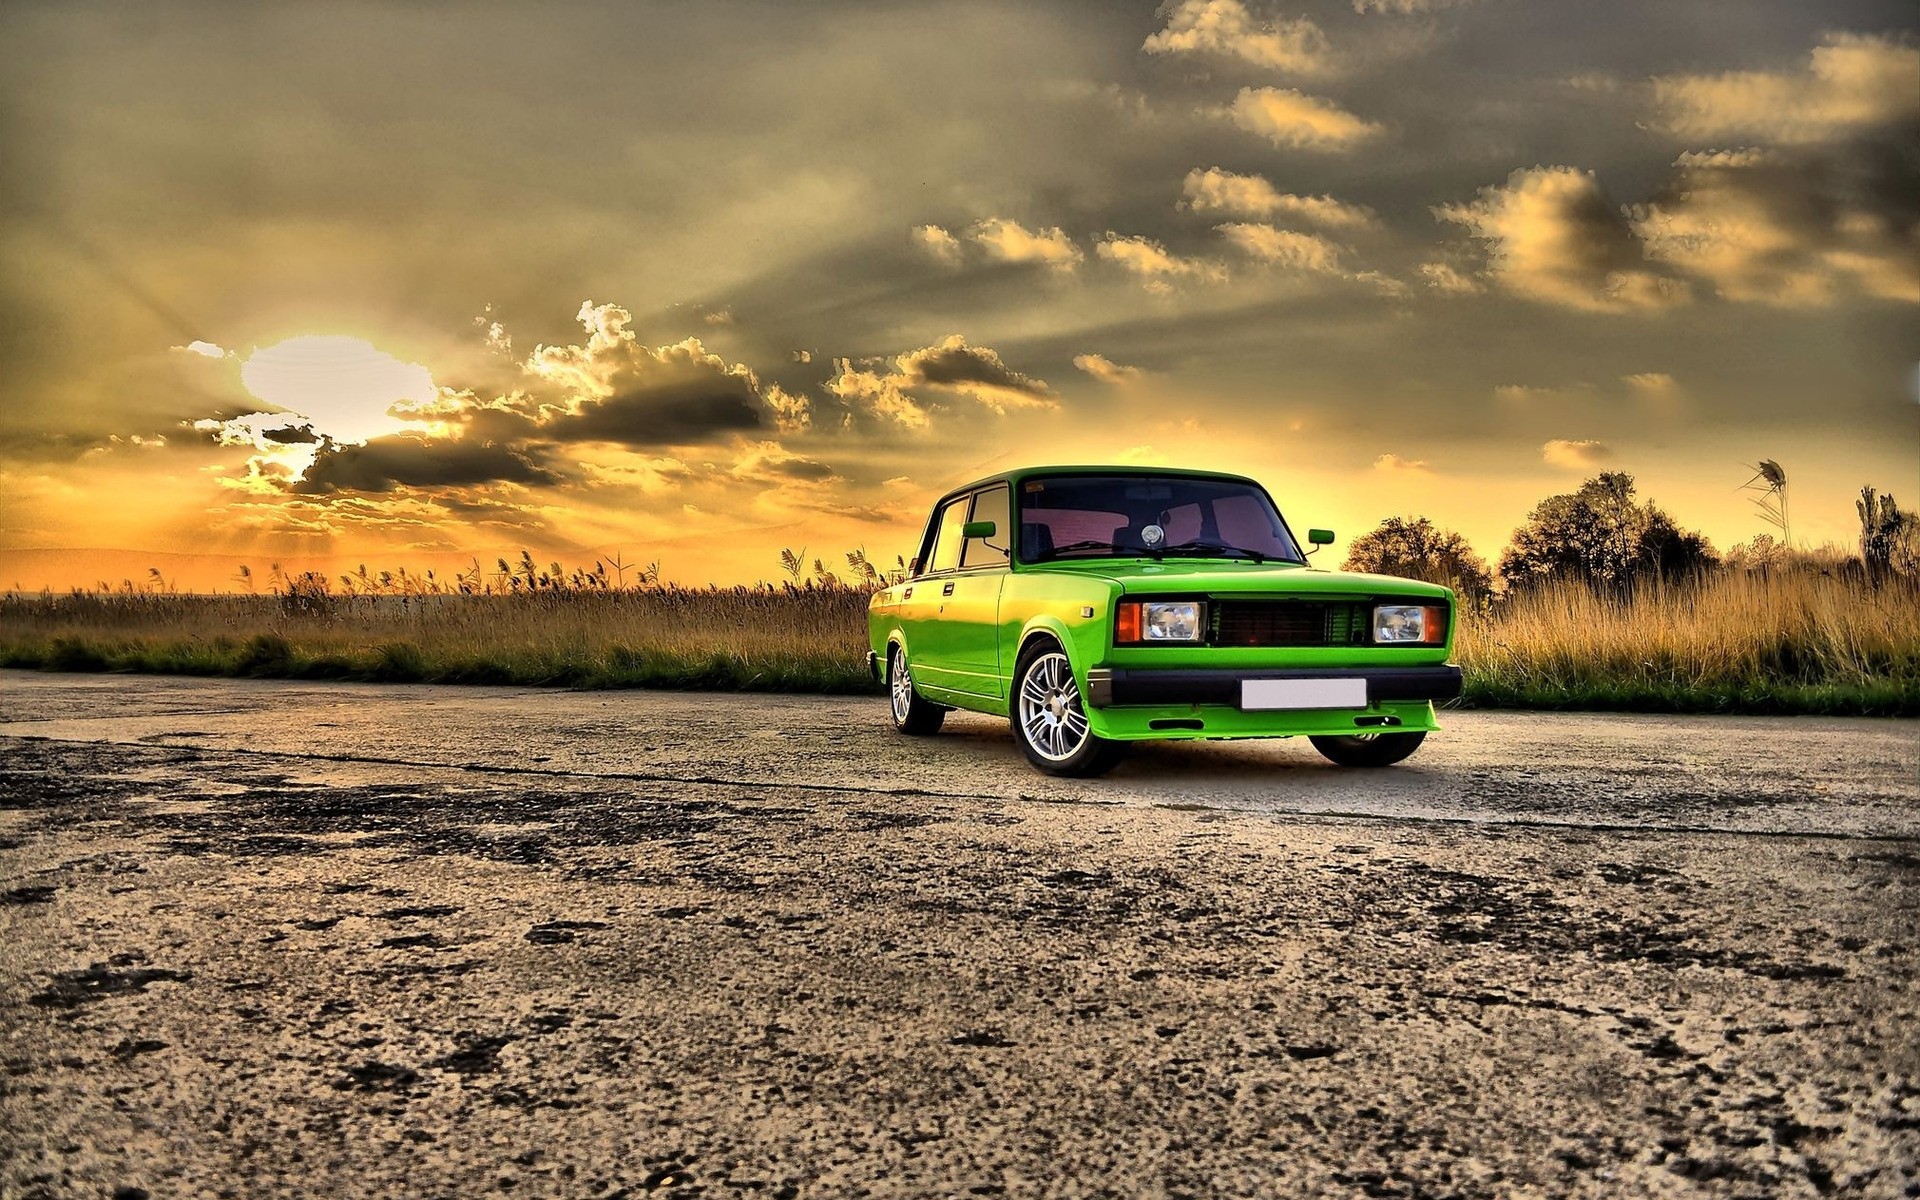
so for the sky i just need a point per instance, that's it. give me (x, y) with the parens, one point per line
(410, 284)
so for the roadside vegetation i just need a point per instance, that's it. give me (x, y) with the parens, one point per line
(1601, 602)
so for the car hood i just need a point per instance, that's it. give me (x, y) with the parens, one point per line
(1146, 576)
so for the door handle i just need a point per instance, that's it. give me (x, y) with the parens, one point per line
(947, 590)
(908, 595)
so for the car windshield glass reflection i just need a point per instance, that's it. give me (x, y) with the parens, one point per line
(1135, 516)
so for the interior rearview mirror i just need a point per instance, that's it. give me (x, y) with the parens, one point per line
(979, 529)
(1320, 537)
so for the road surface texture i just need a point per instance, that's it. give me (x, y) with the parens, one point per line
(277, 939)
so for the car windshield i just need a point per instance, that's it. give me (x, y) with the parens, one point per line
(1132, 516)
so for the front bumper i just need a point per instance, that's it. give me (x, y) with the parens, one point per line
(1118, 687)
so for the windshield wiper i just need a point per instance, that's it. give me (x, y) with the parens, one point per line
(1200, 547)
(1090, 544)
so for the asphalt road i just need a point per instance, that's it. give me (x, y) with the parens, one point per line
(263, 939)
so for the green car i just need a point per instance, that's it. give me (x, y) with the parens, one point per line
(1095, 606)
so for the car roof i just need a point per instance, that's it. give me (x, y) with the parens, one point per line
(1019, 473)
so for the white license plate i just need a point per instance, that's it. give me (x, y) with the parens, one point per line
(1303, 693)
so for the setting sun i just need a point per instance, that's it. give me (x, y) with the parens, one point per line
(342, 387)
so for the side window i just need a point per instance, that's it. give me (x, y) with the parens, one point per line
(946, 542)
(990, 505)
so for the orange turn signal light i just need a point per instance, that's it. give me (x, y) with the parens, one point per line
(1127, 622)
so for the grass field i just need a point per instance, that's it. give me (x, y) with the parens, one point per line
(1733, 642)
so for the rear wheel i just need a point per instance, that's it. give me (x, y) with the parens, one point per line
(912, 712)
(1049, 718)
(1368, 749)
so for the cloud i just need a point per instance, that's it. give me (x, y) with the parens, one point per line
(937, 242)
(1297, 121)
(1141, 456)
(949, 366)
(1575, 455)
(881, 396)
(976, 371)
(772, 464)
(791, 412)
(203, 349)
(619, 390)
(1850, 82)
(1393, 464)
(1553, 236)
(410, 460)
(1216, 191)
(291, 435)
(1443, 278)
(1790, 229)
(1283, 247)
(1009, 241)
(1651, 383)
(1107, 371)
(1151, 260)
(1405, 7)
(1228, 28)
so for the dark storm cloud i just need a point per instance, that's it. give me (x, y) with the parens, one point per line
(671, 413)
(404, 460)
(954, 364)
(291, 435)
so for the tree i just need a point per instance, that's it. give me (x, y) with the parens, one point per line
(1602, 535)
(1414, 548)
(1889, 538)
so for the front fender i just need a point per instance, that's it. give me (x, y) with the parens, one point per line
(1084, 644)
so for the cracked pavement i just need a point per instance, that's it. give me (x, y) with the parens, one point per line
(268, 939)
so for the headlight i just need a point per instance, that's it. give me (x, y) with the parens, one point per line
(1409, 624)
(1141, 622)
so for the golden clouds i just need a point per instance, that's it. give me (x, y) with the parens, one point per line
(1297, 121)
(1107, 371)
(1227, 28)
(1850, 82)
(1009, 241)
(951, 367)
(1553, 236)
(1156, 266)
(1284, 247)
(1575, 455)
(936, 242)
(1216, 191)
(1772, 229)
(999, 239)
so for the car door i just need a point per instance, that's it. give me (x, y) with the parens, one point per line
(955, 645)
(921, 604)
(972, 608)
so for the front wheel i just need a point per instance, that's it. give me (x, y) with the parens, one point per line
(912, 712)
(1368, 749)
(1049, 718)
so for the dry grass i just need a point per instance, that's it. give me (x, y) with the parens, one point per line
(1801, 641)
(788, 639)
(1798, 642)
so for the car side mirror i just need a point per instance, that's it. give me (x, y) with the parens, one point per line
(979, 529)
(1320, 537)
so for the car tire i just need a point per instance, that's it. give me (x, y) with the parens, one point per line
(1049, 717)
(912, 713)
(1368, 749)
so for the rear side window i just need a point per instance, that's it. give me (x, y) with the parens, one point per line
(990, 505)
(946, 540)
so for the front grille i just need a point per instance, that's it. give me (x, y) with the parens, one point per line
(1287, 623)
